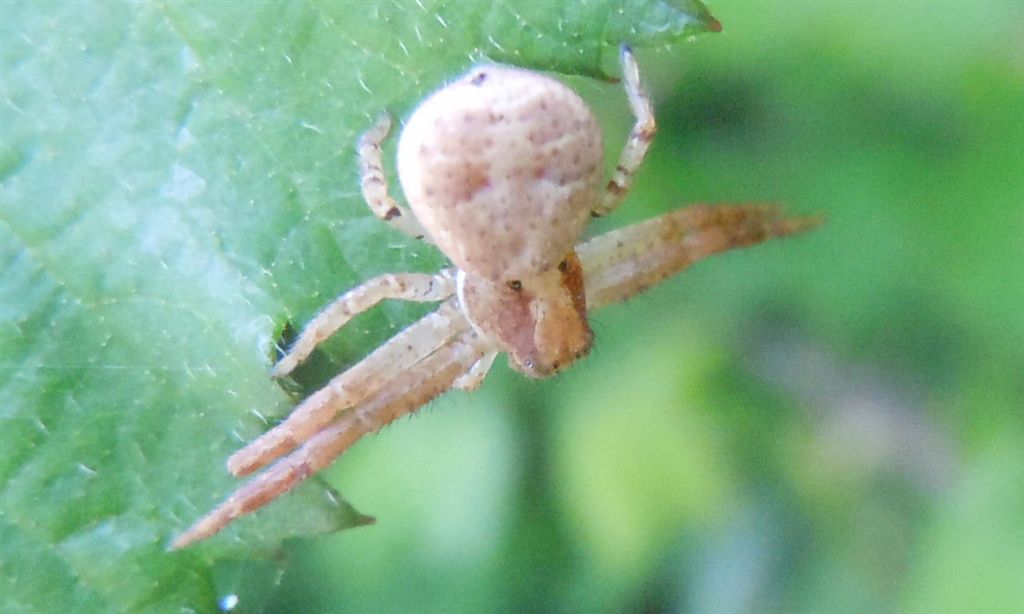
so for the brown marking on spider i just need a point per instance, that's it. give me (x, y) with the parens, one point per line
(521, 284)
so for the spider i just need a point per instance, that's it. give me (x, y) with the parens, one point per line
(502, 170)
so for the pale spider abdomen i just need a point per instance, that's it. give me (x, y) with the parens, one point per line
(502, 168)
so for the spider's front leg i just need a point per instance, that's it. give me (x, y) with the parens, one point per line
(404, 393)
(627, 261)
(364, 379)
(471, 380)
(639, 140)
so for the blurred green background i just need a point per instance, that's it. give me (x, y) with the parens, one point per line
(827, 423)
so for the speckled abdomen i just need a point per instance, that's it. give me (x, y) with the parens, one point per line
(502, 168)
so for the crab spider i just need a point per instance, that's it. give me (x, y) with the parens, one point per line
(502, 169)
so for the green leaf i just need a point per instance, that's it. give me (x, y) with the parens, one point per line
(178, 186)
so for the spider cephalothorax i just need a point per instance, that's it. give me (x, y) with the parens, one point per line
(540, 320)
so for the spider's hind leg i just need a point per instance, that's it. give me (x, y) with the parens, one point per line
(639, 140)
(374, 182)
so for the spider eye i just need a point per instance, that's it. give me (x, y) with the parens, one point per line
(478, 78)
(515, 285)
(563, 266)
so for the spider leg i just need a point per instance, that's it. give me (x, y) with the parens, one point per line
(624, 262)
(374, 182)
(404, 351)
(404, 394)
(418, 287)
(639, 140)
(472, 379)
